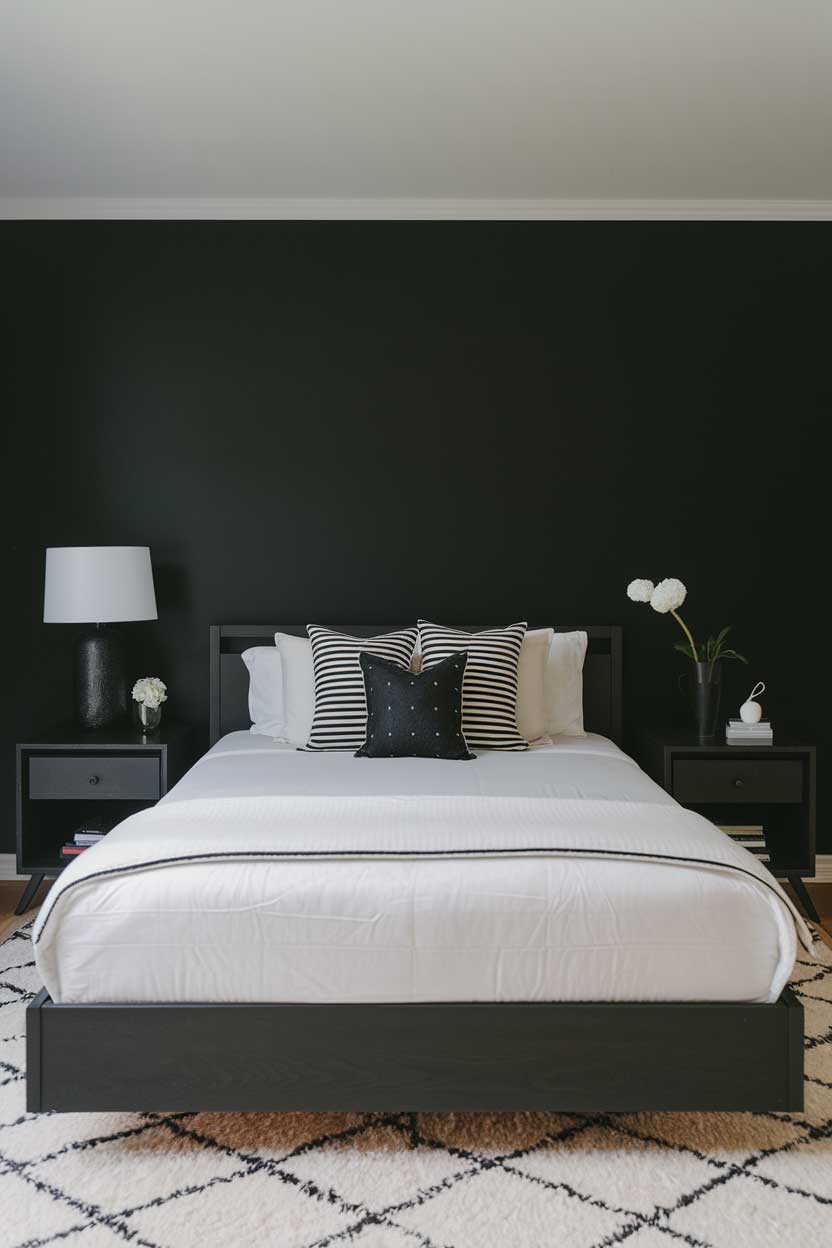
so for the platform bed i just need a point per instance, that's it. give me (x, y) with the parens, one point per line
(515, 1056)
(585, 1057)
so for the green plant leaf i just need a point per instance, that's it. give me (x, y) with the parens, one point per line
(715, 648)
(721, 636)
(684, 648)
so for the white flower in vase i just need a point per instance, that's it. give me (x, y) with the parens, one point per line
(666, 598)
(640, 591)
(668, 595)
(149, 693)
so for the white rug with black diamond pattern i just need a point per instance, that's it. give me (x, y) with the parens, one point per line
(415, 1181)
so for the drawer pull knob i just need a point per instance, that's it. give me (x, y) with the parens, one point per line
(95, 779)
(738, 784)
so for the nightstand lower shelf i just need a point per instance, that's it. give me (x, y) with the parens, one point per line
(71, 781)
(772, 787)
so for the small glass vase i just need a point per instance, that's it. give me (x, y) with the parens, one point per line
(148, 718)
(705, 691)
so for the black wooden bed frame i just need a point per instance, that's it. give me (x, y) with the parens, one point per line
(590, 1057)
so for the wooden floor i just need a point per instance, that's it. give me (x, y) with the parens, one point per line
(821, 895)
(10, 891)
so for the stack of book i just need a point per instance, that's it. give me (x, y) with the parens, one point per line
(81, 840)
(751, 838)
(738, 733)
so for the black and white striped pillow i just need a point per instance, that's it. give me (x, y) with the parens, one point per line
(489, 688)
(340, 721)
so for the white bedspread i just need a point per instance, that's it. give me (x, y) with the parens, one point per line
(272, 875)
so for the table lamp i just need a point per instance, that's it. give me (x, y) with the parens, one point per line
(98, 585)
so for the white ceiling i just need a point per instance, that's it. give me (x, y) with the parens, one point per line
(472, 100)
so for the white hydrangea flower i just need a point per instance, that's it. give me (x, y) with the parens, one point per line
(668, 595)
(640, 591)
(151, 691)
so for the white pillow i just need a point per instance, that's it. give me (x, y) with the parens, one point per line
(531, 711)
(563, 685)
(562, 692)
(265, 690)
(298, 686)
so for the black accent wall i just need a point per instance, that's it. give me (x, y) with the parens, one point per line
(318, 421)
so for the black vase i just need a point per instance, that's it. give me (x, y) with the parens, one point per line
(100, 689)
(705, 684)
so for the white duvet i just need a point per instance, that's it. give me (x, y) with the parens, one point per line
(563, 874)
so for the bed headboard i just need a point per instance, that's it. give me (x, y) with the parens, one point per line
(229, 678)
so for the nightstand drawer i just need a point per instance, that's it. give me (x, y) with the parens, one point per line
(717, 780)
(99, 776)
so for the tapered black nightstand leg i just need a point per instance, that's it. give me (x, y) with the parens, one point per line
(28, 894)
(803, 897)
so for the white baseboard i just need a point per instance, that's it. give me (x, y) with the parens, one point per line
(823, 869)
(48, 208)
(7, 868)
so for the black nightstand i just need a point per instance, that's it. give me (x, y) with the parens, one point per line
(69, 775)
(769, 785)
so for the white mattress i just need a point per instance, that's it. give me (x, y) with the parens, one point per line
(524, 927)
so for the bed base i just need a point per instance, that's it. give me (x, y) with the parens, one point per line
(589, 1057)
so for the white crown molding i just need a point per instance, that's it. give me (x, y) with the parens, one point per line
(823, 869)
(289, 209)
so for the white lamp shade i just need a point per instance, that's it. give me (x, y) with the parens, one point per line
(98, 585)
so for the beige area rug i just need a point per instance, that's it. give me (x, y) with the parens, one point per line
(414, 1181)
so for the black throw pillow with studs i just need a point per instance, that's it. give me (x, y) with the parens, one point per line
(414, 715)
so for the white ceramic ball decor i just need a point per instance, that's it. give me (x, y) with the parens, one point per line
(751, 712)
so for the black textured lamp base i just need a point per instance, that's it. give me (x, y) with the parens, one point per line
(100, 689)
